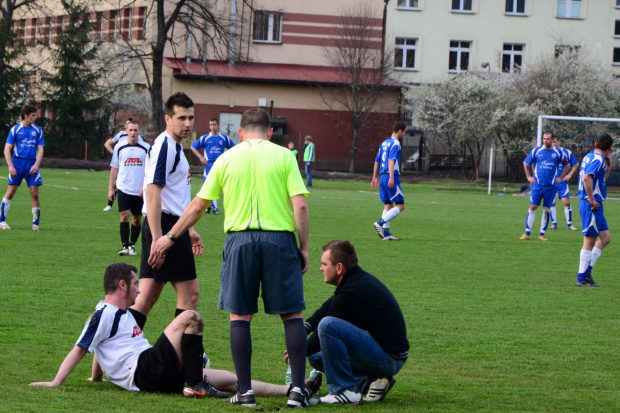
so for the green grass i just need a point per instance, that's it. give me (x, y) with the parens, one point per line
(495, 324)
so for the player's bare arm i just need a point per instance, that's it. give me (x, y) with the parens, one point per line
(8, 148)
(37, 163)
(302, 220)
(528, 174)
(375, 172)
(112, 184)
(391, 169)
(587, 185)
(68, 365)
(202, 159)
(109, 146)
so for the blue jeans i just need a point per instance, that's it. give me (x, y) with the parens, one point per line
(309, 173)
(349, 355)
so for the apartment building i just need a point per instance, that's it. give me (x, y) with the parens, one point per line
(436, 39)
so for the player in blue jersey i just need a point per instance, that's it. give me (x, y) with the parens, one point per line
(562, 187)
(595, 169)
(545, 161)
(387, 164)
(23, 152)
(126, 180)
(213, 144)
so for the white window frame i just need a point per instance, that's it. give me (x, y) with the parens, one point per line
(407, 48)
(271, 24)
(514, 11)
(568, 9)
(459, 52)
(408, 5)
(461, 8)
(512, 53)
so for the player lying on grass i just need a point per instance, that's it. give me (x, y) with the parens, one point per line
(173, 365)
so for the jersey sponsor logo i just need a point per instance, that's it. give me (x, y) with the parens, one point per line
(133, 162)
(136, 331)
(547, 165)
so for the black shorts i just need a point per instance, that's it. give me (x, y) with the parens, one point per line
(129, 202)
(179, 264)
(159, 369)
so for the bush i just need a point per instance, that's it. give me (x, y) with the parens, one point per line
(58, 163)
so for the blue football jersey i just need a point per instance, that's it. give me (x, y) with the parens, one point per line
(593, 164)
(389, 149)
(568, 155)
(213, 146)
(25, 140)
(546, 163)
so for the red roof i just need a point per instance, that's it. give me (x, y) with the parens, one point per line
(263, 73)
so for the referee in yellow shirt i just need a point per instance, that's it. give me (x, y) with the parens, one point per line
(265, 203)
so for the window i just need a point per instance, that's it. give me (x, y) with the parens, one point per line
(42, 34)
(409, 4)
(569, 9)
(461, 5)
(124, 23)
(404, 53)
(567, 49)
(512, 58)
(515, 6)
(408, 114)
(138, 23)
(616, 56)
(617, 29)
(459, 56)
(617, 4)
(267, 27)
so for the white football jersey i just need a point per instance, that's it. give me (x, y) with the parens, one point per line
(166, 165)
(129, 160)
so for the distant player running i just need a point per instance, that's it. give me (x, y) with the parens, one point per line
(387, 164)
(127, 173)
(23, 152)
(213, 144)
(595, 169)
(545, 160)
(562, 186)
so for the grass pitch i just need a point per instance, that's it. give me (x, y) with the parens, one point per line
(495, 324)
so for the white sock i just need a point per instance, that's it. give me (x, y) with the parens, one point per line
(391, 214)
(568, 213)
(214, 202)
(584, 260)
(596, 254)
(4, 209)
(543, 221)
(386, 224)
(552, 213)
(529, 221)
(35, 215)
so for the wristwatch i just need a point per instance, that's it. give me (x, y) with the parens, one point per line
(170, 236)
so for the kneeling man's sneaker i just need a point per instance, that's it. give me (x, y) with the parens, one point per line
(378, 389)
(297, 398)
(346, 397)
(247, 399)
(202, 389)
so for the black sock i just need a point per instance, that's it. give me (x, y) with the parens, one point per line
(192, 349)
(177, 312)
(135, 233)
(125, 233)
(296, 344)
(241, 350)
(139, 317)
(110, 203)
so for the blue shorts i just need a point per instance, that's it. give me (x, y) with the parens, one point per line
(207, 170)
(592, 222)
(22, 166)
(268, 262)
(544, 193)
(562, 190)
(390, 195)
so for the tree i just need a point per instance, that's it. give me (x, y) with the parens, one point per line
(364, 91)
(457, 112)
(72, 90)
(10, 68)
(202, 21)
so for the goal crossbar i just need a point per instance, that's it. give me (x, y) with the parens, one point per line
(577, 118)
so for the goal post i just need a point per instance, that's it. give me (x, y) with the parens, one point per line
(539, 132)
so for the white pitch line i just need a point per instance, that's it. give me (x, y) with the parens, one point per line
(53, 186)
(368, 192)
